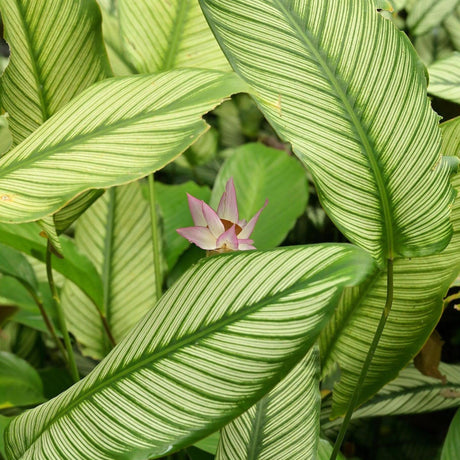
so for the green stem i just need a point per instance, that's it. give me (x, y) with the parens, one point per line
(107, 267)
(155, 241)
(60, 314)
(367, 362)
(47, 320)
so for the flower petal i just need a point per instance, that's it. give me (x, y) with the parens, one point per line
(228, 240)
(201, 236)
(245, 247)
(212, 220)
(228, 208)
(249, 228)
(196, 210)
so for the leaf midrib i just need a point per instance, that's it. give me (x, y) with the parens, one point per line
(175, 36)
(356, 123)
(257, 430)
(184, 341)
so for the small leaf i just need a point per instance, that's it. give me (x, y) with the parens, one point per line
(451, 446)
(13, 263)
(20, 384)
(428, 359)
(445, 78)
(424, 15)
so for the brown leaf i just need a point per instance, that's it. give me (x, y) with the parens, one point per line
(429, 357)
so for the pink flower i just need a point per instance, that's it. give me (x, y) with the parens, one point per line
(220, 231)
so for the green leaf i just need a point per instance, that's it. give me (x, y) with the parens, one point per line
(262, 173)
(112, 38)
(115, 132)
(56, 52)
(159, 36)
(210, 443)
(433, 46)
(74, 265)
(445, 78)
(6, 140)
(213, 345)
(452, 25)
(4, 421)
(20, 384)
(357, 115)
(410, 393)
(451, 446)
(419, 288)
(325, 449)
(282, 425)
(176, 214)
(13, 263)
(115, 235)
(424, 15)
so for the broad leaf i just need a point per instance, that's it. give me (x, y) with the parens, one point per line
(451, 446)
(115, 235)
(165, 35)
(74, 265)
(445, 78)
(115, 132)
(4, 421)
(20, 384)
(419, 288)
(356, 115)
(424, 15)
(410, 393)
(325, 449)
(452, 25)
(214, 344)
(282, 425)
(262, 173)
(56, 53)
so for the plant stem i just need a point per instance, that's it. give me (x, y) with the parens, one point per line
(451, 298)
(367, 362)
(156, 246)
(107, 266)
(48, 322)
(60, 314)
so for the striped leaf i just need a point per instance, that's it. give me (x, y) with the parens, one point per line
(451, 446)
(410, 393)
(165, 35)
(344, 86)
(116, 131)
(424, 15)
(115, 235)
(112, 38)
(284, 425)
(452, 25)
(419, 288)
(445, 78)
(56, 52)
(74, 265)
(6, 140)
(213, 345)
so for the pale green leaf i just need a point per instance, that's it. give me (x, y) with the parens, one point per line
(213, 345)
(112, 38)
(445, 78)
(74, 265)
(325, 449)
(115, 235)
(356, 115)
(175, 214)
(116, 131)
(56, 52)
(410, 393)
(6, 140)
(424, 15)
(261, 173)
(419, 288)
(20, 384)
(433, 46)
(283, 425)
(451, 446)
(210, 443)
(165, 35)
(452, 25)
